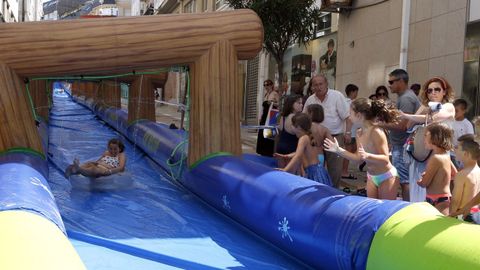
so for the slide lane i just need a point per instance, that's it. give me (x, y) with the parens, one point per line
(153, 223)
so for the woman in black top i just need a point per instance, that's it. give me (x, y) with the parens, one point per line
(287, 141)
(265, 146)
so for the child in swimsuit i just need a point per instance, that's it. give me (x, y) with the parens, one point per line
(438, 174)
(112, 161)
(467, 181)
(372, 147)
(470, 211)
(307, 151)
(316, 113)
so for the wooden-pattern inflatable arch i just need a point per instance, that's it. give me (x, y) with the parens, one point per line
(211, 43)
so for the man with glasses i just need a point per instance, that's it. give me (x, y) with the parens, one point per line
(336, 113)
(407, 102)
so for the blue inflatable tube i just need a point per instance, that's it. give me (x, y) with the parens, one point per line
(23, 181)
(318, 224)
(117, 118)
(162, 144)
(24, 186)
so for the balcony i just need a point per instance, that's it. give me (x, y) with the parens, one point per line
(335, 5)
(167, 6)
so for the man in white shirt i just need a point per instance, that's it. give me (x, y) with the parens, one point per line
(336, 113)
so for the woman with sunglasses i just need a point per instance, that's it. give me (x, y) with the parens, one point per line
(435, 91)
(265, 146)
(436, 107)
(382, 93)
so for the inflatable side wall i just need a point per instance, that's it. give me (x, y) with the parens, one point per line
(32, 234)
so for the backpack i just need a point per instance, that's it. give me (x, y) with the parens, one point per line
(416, 143)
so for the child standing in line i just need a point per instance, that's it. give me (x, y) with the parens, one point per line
(467, 181)
(372, 147)
(466, 211)
(351, 90)
(438, 174)
(307, 151)
(460, 126)
(316, 113)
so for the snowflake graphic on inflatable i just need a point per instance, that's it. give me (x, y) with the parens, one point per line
(284, 228)
(226, 204)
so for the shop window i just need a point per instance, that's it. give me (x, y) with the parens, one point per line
(219, 4)
(301, 68)
(471, 71)
(190, 7)
(324, 25)
(205, 5)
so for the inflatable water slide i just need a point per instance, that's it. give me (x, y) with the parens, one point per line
(194, 202)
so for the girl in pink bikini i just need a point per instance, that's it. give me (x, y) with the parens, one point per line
(112, 161)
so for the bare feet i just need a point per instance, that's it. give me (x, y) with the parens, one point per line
(73, 168)
(69, 171)
(76, 163)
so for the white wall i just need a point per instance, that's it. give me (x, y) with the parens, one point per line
(436, 43)
(13, 8)
(135, 10)
(474, 10)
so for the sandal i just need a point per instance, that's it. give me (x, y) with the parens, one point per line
(362, 192)
(361, 166)
(349, 176)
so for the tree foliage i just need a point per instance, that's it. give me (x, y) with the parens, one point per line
(285, 22)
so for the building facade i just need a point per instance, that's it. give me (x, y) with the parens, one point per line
(30, 10)
(442, 39)
(9, 11)
(50, 11)
(471, 70)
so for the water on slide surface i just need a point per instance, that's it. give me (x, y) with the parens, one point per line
(151, 224)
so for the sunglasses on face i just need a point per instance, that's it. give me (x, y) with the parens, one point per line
(392, 81)
(267, 84)
(382, 94)
(436, 89)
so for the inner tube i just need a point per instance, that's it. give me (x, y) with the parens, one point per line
(115, 181)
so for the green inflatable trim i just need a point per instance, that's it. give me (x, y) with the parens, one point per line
(137, 121)
(23, 150)
(419, 237)
(212, 155)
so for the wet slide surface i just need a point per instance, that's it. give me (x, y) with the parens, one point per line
(152, 223)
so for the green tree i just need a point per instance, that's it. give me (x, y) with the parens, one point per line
(285, 22)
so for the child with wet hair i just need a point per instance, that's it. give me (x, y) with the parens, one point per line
(307, 151)
(372, 146)
(438, 173)
(320, 133)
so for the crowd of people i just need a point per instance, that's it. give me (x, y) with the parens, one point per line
(420, 147)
